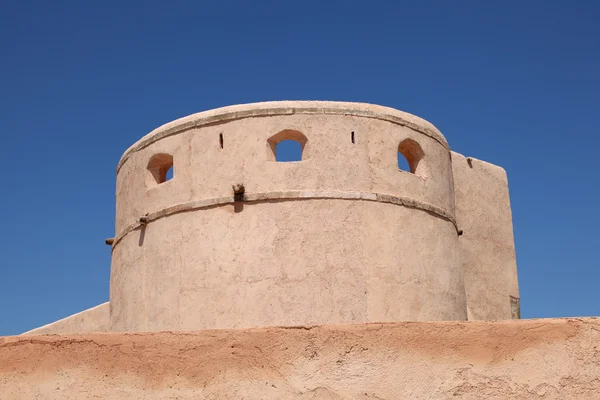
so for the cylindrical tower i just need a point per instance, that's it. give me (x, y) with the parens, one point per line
(341, 236)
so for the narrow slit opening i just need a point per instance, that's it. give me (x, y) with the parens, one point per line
(352, 136)
(221, 139)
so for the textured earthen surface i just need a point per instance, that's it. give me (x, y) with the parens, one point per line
(529, 359)
(199, 262)
(342, 236)
(487, 246)
(340, 262)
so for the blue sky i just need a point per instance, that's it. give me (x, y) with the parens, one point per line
(512, 83)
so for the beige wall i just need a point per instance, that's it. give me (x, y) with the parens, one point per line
(287, 263)
(95, 319)
(342, 236)
(331, 161)
(487, 249)
(526, 359)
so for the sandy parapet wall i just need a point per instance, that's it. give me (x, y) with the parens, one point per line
(95, 319)
(527, 359)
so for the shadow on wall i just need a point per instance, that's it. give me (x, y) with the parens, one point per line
(410, 157)
(142, 235)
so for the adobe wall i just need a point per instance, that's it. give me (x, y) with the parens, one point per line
(342, 236)
(526, 359)
(487, 247)
(95, 319)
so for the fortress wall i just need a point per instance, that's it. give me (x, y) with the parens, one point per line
(487, 250)
(525, 359)
(287, 263)
(317, 241)
(330, 162)
(95, 319)
(341, 237)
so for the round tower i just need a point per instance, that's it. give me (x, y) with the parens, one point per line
(237, 239)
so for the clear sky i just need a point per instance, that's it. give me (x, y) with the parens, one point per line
(515, 83)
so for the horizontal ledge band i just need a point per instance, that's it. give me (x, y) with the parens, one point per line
(205, 119)
(287, 195)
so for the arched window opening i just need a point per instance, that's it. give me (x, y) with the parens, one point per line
(403, 163)
(286, 146)
(160, 168)
(410, 156)
(288, 150)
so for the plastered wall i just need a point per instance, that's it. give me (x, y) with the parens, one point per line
(487, 248)
(526, 359)
(95, 319)
(342, 236)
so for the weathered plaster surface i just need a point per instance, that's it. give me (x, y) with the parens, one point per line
(527, 359)
(95, 319)
(288, 195)
(341, 236)
(287, 263)
(487, 247)
(202, 170)
(283, 108)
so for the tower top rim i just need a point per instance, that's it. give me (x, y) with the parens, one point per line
(281, 108)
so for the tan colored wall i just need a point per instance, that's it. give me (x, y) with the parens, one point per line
(342, 236)
(95, 319)
(331, 161)
(287, 263)
(487, 249)
(527, 359)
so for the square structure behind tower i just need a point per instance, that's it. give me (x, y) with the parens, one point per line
(487, 247)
